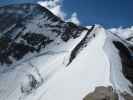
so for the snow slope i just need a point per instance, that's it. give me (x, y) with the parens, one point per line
(73, 64)
(83, 74)
(117, 78)
(93, 67)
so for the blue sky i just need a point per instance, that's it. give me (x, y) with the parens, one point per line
(110, 13)
(107, 12)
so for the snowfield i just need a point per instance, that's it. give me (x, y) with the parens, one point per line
(98, 64)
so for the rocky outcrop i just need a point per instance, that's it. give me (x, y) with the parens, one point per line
(102, 93)
(71, 31)
(80, 45)
(127, 96)
(126, 59)
(29, 28)
(12, 50)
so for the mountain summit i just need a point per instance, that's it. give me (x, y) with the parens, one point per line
(44, 57)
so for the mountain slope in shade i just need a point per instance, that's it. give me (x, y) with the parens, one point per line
(43, 57)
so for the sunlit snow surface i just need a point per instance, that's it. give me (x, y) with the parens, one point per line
(98, 64)
(88, 70)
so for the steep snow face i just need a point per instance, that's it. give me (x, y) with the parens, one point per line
(88, 70)
(28, 30)
(57, 80)
(98, 64)
(43, 67)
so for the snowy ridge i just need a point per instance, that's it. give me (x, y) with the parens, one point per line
(117, 78)
(125, 33)
(62, 61)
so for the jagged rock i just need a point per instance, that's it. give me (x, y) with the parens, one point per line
(82, 44)
(29, 85)
(18, 36)
(71, 31)
(102, 93)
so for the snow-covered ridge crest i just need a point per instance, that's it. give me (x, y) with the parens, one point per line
(126, 33)
(43, 57)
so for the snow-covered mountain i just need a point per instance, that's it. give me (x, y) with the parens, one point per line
(45, 58)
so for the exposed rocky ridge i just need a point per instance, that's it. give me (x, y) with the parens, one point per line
(107, 93)
(27, 28)
(81, 45)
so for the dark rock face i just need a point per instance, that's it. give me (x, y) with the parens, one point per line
(36, 40)
(17, 50)
(130, 38)
(102, 93)
(18, 36)
(82, 44)
(126, 59)
(16, 17)
(71, 31)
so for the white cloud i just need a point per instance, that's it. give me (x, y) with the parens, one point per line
(74, 19)
(55, 6)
